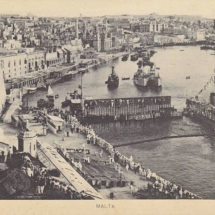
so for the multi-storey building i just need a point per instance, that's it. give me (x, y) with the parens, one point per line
(36, 60)
(18, 64)
(13, 64)
(157, 26)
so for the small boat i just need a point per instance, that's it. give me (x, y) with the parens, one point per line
(134, 57)
(66, 103)
(83, 70)
(213, 54)
(181, 50)
(125, 58)
(30, 89)
(126, 78)
(157, 68)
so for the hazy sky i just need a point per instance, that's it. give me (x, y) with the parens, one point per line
(205, 8)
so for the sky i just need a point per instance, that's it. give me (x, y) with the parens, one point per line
(73, 8)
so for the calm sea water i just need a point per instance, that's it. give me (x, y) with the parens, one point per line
(189, 162)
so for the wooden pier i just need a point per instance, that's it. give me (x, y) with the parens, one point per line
(123, 109)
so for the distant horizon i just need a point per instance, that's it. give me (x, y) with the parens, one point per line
(98, 8)
(108, 15)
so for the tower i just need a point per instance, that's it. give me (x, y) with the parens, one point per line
(27, 140)
(2, 87)
(76, 29)
(98, 39)
(84, 31)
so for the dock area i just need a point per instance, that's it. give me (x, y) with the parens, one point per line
(130, 177)
(61, 70)
(97, 169)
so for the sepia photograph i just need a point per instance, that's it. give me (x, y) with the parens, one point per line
(106, 101)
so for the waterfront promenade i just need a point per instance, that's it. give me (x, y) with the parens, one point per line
(62, 69)
(76, 141)
(143, 179)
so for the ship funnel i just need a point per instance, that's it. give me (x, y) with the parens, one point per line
(112, 69)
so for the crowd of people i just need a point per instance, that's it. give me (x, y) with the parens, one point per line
(46, 185)
(5, 153)
(158, 185)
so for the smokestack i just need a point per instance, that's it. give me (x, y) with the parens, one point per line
(76, 29)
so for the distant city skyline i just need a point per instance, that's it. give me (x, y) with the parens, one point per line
(73, 8)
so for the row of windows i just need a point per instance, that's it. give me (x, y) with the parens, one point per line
(15, 69)
(20, 62)
(25, 62)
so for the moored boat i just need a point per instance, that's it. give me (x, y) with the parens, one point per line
(150, 79)
(113, 79)
(83, 70)
(125, 58)
(126, 78)
(134, 57)
(30, 89)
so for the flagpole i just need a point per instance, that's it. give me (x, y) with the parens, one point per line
(82, 105)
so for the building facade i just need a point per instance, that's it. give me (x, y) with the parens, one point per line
(13, 65)
(18, 64)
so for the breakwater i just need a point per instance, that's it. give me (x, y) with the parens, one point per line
(160, 138)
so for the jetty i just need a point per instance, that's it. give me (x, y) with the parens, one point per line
(125, 109)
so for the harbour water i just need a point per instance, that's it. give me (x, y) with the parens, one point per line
(187, 161)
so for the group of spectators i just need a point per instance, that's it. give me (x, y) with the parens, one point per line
(158, 185)
(5, 153)
(46, 185)
(161, 188)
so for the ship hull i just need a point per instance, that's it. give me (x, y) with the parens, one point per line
(142, 82)
(150, 83)
(112, 84)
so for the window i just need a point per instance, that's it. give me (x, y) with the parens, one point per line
(20, 62)
(14, 63)
(9, 64)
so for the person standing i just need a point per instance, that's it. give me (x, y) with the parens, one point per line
(5, 155)
(42, 184)
(10, 151)
(37, 183)
(127, 167)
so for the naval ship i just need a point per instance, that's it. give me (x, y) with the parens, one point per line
(113, 79)
(150, 80)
